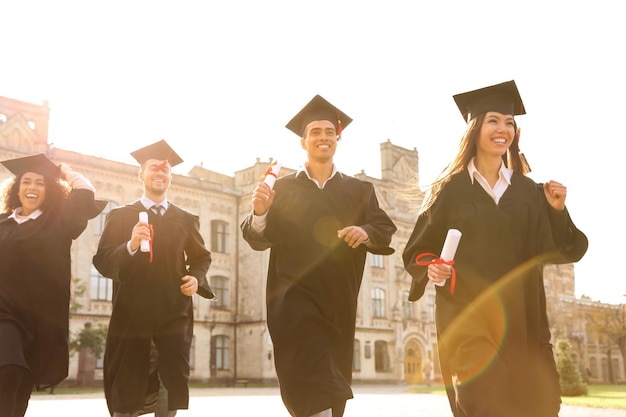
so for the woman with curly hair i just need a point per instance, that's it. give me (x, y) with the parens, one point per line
(44, 208)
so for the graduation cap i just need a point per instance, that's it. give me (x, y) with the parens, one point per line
(159, 150)
(38, 163)
(503, 98)
(318, 109)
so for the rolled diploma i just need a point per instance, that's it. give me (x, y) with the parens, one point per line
(272, 174)
(145, 243)
(449, 248)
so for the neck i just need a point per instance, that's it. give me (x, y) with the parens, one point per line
(320, 171)
(489, 167)
(22, 212)
(157, 198)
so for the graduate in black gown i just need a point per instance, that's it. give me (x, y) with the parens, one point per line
(151, 326)
(320, 224)
(493, 334)
(44, 208)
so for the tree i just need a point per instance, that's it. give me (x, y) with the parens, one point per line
(570, 378)
(610, 321)
(89, 343)
(91, 338)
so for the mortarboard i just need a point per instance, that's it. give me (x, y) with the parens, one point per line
(503, 98)
(318, 109)
(159, 150)
(38, 163)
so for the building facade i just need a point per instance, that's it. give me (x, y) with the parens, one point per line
(394, 338)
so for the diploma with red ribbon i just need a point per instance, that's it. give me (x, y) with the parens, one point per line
(271, 174)
(447, 256)
(146, 244)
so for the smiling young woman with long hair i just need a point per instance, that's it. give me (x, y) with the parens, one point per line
(493, 335)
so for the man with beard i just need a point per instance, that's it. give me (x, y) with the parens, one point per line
(152, 290)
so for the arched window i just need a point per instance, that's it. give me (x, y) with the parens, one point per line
(192, 353)
(378, 302)
(100, 288)
(98, 221)
(377, 261)
(219, 236)
(220, 286)
(356, 358)
(381, 356)
(408, 308)
(221, 348)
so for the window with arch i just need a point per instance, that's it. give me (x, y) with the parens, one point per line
(356, 357)
(100, 287)
(221, 348)
(220, 286)
(98, 221)
(377, 261)
(192, 353)
(378, 302)
(593, 367)
(408, 308)
(219, 236)
(381, 356)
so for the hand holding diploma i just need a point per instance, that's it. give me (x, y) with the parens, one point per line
(145, 243)
(272, 174)
(448, 251)
(263, 194)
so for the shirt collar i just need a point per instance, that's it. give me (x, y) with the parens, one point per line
(304, 171)
(18, 217)
(504, 174)
(147, 203)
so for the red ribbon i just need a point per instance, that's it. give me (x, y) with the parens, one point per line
(269, 172)
(438, 261)
(151, 239)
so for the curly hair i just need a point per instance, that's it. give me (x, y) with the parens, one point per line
(513, 159)
(57, 192)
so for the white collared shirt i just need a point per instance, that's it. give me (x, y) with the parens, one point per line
(504, 180)
(147, 203)
(19, 218)
(259, 222)
(304, 169)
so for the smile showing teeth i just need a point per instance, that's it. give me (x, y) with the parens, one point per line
(30, 195)
(324, 146)
(499, 140)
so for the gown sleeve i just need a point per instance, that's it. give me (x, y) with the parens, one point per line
(378, 226)
(80, 207)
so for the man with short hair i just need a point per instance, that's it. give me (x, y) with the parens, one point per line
(152, 290)
(320, 224)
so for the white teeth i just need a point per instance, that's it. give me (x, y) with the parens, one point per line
(499, 140)
(29, 195)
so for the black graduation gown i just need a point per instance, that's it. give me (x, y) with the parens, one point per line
(35, 279)
(493, 333)
(313, 284)
(148, 304)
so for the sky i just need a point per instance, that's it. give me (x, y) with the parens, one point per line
(219, 80)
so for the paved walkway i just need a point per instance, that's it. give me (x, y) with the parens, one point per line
(368, 401)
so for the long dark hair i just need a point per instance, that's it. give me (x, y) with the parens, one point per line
(57, 191)
(513, 159)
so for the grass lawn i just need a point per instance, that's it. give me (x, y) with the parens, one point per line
(600, 396)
